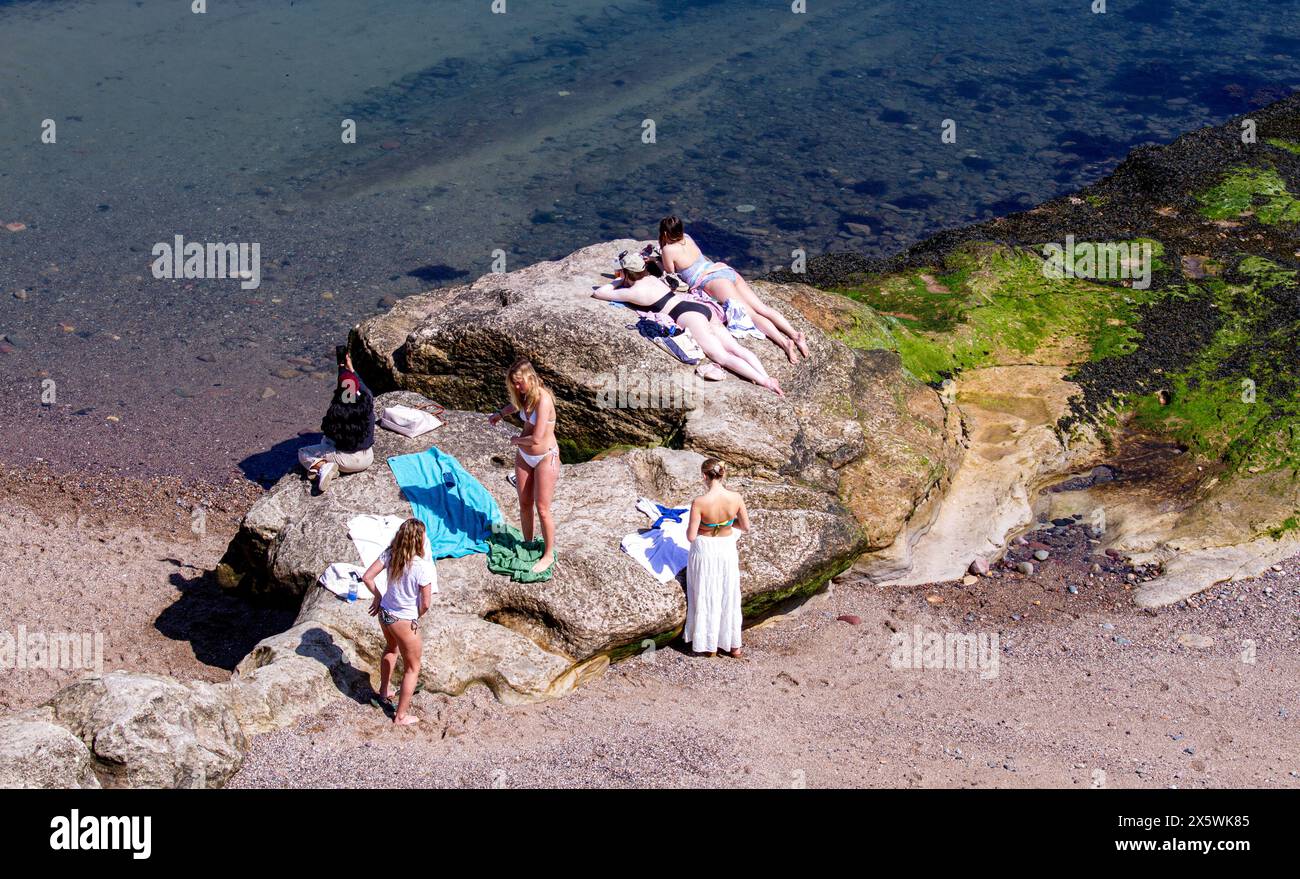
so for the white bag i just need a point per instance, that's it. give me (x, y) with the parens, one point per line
(408, 421)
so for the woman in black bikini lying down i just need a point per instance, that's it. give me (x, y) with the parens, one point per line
(643, 291)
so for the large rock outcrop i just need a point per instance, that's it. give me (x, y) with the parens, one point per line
(853, 422)
(834, 469)
(524, 641)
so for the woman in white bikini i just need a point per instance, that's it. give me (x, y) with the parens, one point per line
(718, 518)
(537, 459)
(680, 254)
(643, 291)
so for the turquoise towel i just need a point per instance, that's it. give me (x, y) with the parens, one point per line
(458, 520)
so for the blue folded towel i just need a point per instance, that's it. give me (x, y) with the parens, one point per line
(457, 511)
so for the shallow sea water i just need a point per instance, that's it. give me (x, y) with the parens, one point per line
(523, 132)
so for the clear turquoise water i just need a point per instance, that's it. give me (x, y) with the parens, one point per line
(522, 132)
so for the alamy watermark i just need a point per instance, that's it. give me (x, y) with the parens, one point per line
(52, 651)
(647, 390)
(947, 651)
(1099, 261)
(194, 260)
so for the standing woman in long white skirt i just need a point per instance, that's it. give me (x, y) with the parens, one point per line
(718, 518)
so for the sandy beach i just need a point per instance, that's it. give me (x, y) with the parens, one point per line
(1084, 684)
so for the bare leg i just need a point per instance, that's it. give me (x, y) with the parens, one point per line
(722, 290)
(716, 350)
(524, 485)
(412, 648)
(757, 307)
(729, 342)
(387, 664)
(545, 476)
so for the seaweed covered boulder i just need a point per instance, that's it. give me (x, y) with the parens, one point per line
(1167, 351)
(525, 641)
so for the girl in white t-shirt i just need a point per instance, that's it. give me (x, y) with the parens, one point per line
(411, 584)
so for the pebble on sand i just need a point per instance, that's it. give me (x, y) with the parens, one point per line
(20, 295)
(15, 227)
(1041, 555)
(851, 619)
(1025, 568)
(268, 393)
(1195, 641)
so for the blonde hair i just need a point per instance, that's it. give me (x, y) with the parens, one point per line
(534, 389)
(714, 469)
(407, 544)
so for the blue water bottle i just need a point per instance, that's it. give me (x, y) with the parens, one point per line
(352, 586)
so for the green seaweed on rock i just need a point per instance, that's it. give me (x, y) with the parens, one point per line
(993, 304)
(1245, 189)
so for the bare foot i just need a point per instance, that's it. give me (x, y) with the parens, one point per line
(774, 386)
(788, 347)
(408, 720)
(544, 562)
(735, 653)
(802, 341)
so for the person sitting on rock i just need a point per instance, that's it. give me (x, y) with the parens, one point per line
(537, 457)
(638, 288)
(349, 428)
(679, 253)
(718, 518)
(412, 580)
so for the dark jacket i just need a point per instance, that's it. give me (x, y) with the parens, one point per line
(350, 420)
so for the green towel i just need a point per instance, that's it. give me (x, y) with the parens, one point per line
(509, 554)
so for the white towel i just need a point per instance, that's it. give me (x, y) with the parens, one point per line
(408, 421)
(662, 551)
(739, 323)
(337, 578)
(371, 535)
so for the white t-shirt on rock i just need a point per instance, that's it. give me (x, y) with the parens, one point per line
(402, 598)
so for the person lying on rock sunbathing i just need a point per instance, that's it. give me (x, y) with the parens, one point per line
(537, 457)
(637, 287)
(680, 254)
(412, 581)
